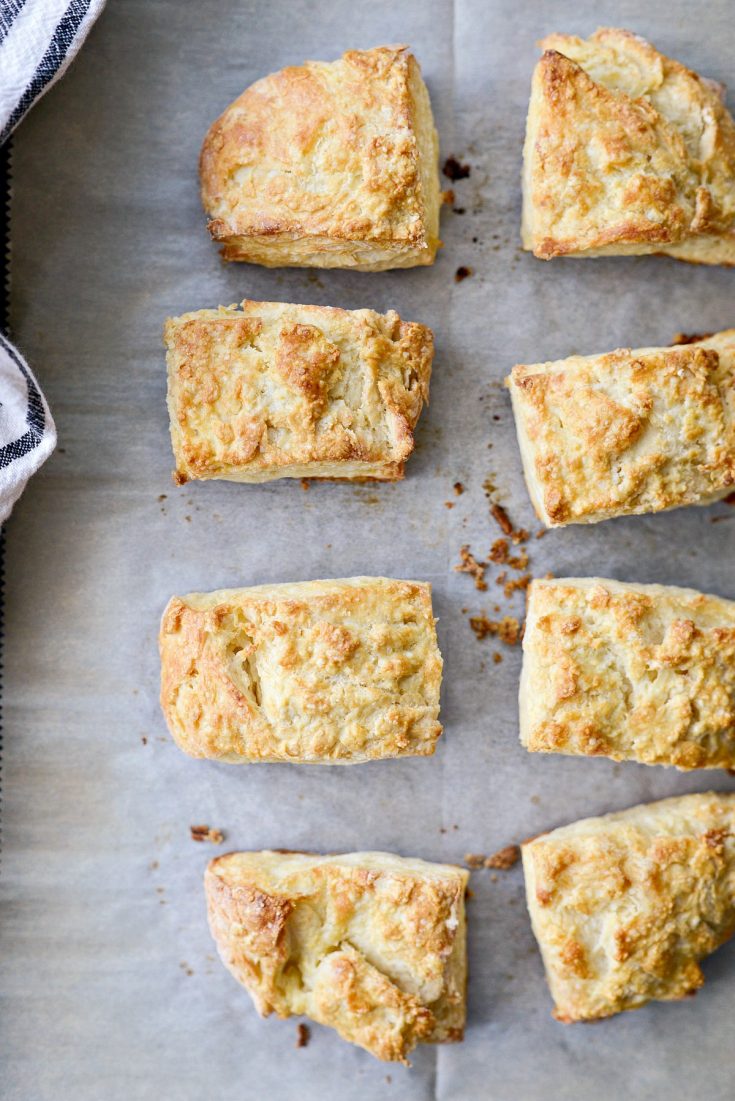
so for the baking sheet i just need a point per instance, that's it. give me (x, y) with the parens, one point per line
(110, 985)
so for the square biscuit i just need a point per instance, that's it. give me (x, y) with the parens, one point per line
(624, 907)
(627, 152)
(320, 672)
(274, 390)
(629, 432)
(370, 944)
(327, 164)
(632, 672)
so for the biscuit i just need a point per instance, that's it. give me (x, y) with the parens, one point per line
(328, 164)
(370, 944)
(626, 152)
(632, 672)
(629, 432)
(276, 390)
(625, 906)
(325, 672)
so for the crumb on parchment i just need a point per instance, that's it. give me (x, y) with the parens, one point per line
(469, 564)
(303, 1035)
(507, 629)
(206, 833)
(503, 859)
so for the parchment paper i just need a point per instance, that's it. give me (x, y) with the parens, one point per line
(110, 985)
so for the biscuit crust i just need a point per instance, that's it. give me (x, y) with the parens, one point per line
(275, 390)
(625, 906)
(627, 152)
(632, 672)
(629, 432)
(370, 944)
(327, 164)
(317, 672)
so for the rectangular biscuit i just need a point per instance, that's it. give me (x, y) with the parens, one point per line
(624, 907)
(370, 944)
(629, 432)
(327, 164)
(275, 390)
(328, 672)
(632, 672)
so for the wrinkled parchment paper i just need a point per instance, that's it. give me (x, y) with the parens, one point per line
(110, 984)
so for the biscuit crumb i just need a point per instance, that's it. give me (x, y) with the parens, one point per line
(501, 518)
(162, 497)
(507, 629)
(504, 858)
(449, 504)
(516, 584)
(462, 273)
(448, 197)
(497, 657)
(474, 860)
(453, 170)
(470, 565)
(458, 489)
(205, 833)
(305, 484)
(303, 1035)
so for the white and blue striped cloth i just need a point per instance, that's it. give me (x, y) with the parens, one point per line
(38, 40)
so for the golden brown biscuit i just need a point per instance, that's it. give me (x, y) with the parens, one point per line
(625, 906)
(276, 390)
(632, 672)
(370, 944)
(628, 432)
(328, 164)
(627, 152)
(321, 672)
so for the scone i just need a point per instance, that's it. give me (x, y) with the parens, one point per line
(627, 152)
(275, 390)
(625, 906)
(321, 672)
(328, 165)
(632, 672)
(370, 944)
(627, 432)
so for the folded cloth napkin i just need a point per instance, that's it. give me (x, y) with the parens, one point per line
(38, 40)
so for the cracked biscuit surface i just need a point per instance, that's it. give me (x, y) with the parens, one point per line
(275, 390)
(323, 672)
(634, 431)
(632, 672)
(627, 152)
(327, 164)
(624, 907)
(370, 944)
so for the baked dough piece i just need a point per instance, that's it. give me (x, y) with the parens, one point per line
(626, 152)
(371, 944)
(329, 165)
(627, 432)
(326, 672)
(632, 672)
(282, 391)
(625, 906)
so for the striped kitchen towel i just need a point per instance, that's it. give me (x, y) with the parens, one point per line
(38, 40)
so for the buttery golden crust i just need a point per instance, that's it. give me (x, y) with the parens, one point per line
(324, 672)
(370, 944)
(276, 390)
(627, 152)
(628, 432)
(328, 164)
(625, 906)
(632, 672)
